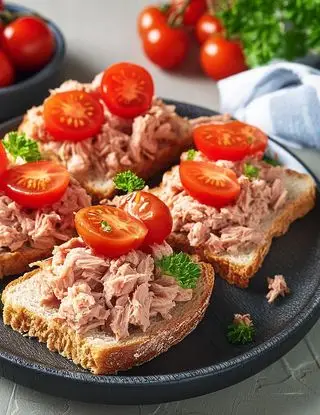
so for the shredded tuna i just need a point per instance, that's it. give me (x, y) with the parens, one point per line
(121, 143)
(277, 286)
(243, 319)
(234, 228)
(40, 228)
(91, 291)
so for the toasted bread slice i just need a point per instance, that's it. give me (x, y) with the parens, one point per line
(238, 269)
(96, 350)
(13, 263)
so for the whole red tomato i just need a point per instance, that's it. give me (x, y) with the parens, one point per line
(221, 57)
(29, 42)
(149, 18)
(206, 26)
(193, 12)
(166, 46)
(6, 70)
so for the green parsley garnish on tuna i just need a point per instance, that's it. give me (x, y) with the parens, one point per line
(128, 181)
(182, 268)
(191, 154)
(17, 144)
(250, 171)
(241, 331)
(105, 226)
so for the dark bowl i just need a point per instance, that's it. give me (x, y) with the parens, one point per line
(17, 98)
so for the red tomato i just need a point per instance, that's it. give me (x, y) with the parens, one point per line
(258, 141)
(208, 25)
(34, 185)
(109, 231)
(193, 12)
(221, 58)
(3, 159)
(149, 18)
(29, 43)
(152, 212)
(221, 141)
(6, 70)
(208, 183)
(73, 115)
(165, 46)
(127, 89)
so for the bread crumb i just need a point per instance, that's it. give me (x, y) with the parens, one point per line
(276, 286)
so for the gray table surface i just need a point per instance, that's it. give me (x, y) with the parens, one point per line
(98, 33)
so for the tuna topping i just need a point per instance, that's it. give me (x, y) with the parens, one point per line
(40, 228)
(116, 295)
(234, 228)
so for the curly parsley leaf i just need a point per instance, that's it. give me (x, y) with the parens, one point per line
(240, 333)
(105, 226)
(271, 161)
(182, 268)
(250, 171)
(18, 144)
(128, 181)
(191, 154)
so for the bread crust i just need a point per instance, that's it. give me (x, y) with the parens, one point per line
(13, 263)
(107, 359)
(233, 272)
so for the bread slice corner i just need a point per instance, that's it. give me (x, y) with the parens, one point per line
(239, 269)
(96, 350)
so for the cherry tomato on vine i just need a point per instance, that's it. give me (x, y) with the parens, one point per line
(193, 12)
(221, 57)
(149, 18)
(7, 72)
(206, 26)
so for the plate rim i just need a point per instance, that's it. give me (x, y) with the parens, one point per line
(305, 320)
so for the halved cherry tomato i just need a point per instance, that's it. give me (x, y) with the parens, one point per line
(208, 25)
(193, 12)
(208, 183)
(34, 185)
(149, 18)
(152, 212)
(127, 89)
(221, 141)
(110, 231)
(7, 72)
(3, 159)
(166, 46)
(257, 139)
(73, 115)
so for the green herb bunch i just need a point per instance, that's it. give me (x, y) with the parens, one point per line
(19, 145)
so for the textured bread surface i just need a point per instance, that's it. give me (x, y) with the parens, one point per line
(96, 350)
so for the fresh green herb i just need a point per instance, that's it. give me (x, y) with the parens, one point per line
(241, 331)
(191, 154)
(105, 226)
(182, 268)
(285, 29)
(250, 171)
(271, 161)
(19, 145)
(128, 181)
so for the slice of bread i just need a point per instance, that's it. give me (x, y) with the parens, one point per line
(238, 269)
(96, 350)
(13, 263)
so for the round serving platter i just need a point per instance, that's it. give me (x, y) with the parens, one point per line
(203, 362)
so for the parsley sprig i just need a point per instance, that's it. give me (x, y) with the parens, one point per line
(270, 29)
(128, 181)
(18, 144)
(271, 161)
(191, 154)
(241, 331)
(181, 267)
(252, 172)
(105, 226)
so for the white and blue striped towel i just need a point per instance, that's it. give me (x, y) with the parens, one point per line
(283, 99)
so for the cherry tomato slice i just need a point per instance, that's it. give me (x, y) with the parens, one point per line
(110, 231)
(3, 159)
(149, 18)
(257, 139)
(152, 212)
(127, 89)
(34, 185)
(73, 115)
(221, 141)
(208, 183)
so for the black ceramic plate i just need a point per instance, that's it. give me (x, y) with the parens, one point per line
(204, 361)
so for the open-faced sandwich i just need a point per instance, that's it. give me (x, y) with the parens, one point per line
(112, 124)
(37, 204)
(227, 202)
(116, 296)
